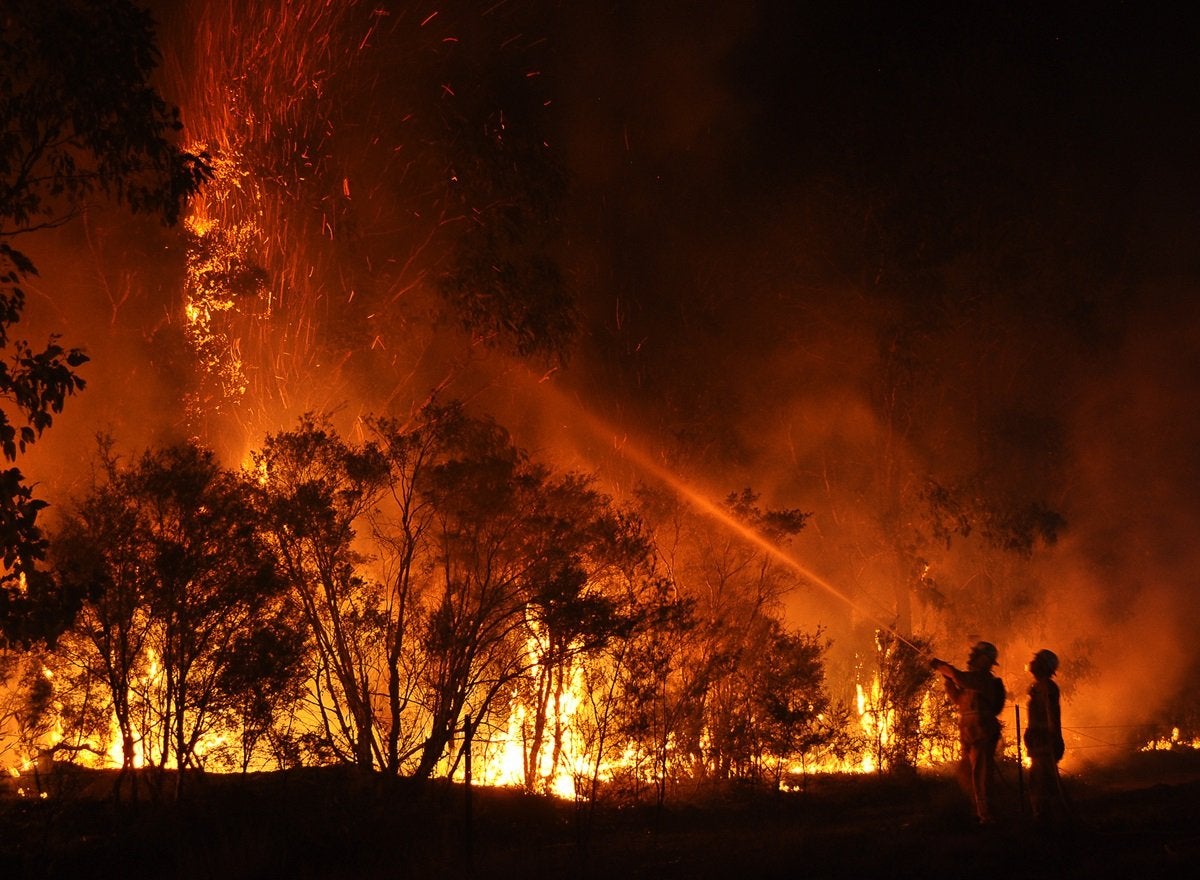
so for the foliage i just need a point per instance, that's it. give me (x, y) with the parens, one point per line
(789, 700)
(315, 489)
(1014, 525)
(649, 703)
(97, 551)
(382, 603)
(78, 117)
(93, 125)
(516, 554)
(27, 710)
(584, 597)
(903, 676)
(487, 573)
(180, 594)
(736, 585)
(34, 386)
(503, 281)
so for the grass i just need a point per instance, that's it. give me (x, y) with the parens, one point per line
(1140, 819)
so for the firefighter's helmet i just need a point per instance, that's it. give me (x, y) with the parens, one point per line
(987, 651)
(1044, 663)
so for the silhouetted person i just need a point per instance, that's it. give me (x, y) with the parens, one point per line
(1043, 736)
(979, 697)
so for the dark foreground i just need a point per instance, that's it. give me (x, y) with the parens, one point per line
(1141, 819)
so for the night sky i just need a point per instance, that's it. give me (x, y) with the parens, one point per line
(986, 215)
(829, 251)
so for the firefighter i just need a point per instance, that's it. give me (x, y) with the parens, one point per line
(979, 696)
(1043, 736)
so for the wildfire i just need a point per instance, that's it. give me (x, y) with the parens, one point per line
(1176, 741)
(275, 257)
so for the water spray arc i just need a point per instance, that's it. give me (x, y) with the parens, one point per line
(635, 455)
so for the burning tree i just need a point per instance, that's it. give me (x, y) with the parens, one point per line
(736, 586)
(648, 701)
(440, 572)
(385, 182)
(178, 589)
(26, 708)
(620, 722)
(583, 600)
(106, 652)
(400, 526)
(316, 489)
(517, 585)
(894, 707)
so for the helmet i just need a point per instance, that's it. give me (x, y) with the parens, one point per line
(1044, 663)
(987, 650)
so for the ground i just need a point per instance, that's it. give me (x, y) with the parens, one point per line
(1137, 819)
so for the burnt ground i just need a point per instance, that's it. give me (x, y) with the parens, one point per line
(1138, 819)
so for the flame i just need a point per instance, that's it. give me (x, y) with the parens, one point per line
(559, 760)
(1176, 741)
(876, 725)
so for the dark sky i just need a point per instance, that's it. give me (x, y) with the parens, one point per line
(875, 147)
(990, 209)
(824, 249)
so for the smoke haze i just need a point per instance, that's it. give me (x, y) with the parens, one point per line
(827, 254)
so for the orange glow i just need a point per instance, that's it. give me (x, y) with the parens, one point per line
(1173, 742)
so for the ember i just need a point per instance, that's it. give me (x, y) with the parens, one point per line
(493, 414)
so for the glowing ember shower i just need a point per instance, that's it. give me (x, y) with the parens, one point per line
(342, 136)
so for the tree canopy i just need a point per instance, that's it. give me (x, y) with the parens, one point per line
(69, 130)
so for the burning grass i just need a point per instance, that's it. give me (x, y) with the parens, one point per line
(1134, 818)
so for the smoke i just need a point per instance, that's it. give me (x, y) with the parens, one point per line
(831, 214)
(823, 254)
(1132, 560)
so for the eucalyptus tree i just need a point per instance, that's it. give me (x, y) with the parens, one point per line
(176, 578)
(401, 526)
(736, 585)
(97, 554)
(316, 489)
(484, 552)
(582, 599)
(789, 716)
(522, 575)
(636, 701)
(91, 125)
(266, 677)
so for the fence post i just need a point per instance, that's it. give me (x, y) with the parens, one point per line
(468, 830)
(1020, 761)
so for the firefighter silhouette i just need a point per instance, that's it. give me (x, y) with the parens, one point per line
(1043, 737)
(979, 697)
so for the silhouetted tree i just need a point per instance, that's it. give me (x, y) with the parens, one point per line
(176, 576)
(623, 711)
(484, 490)
(579, 603)
(80, 117)
(902, 675)
(317, 488)
(650, 702)
(401, 525)
(264, 682)
(520, 557)
(97, 553)
(737, 585)
(788, 714)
